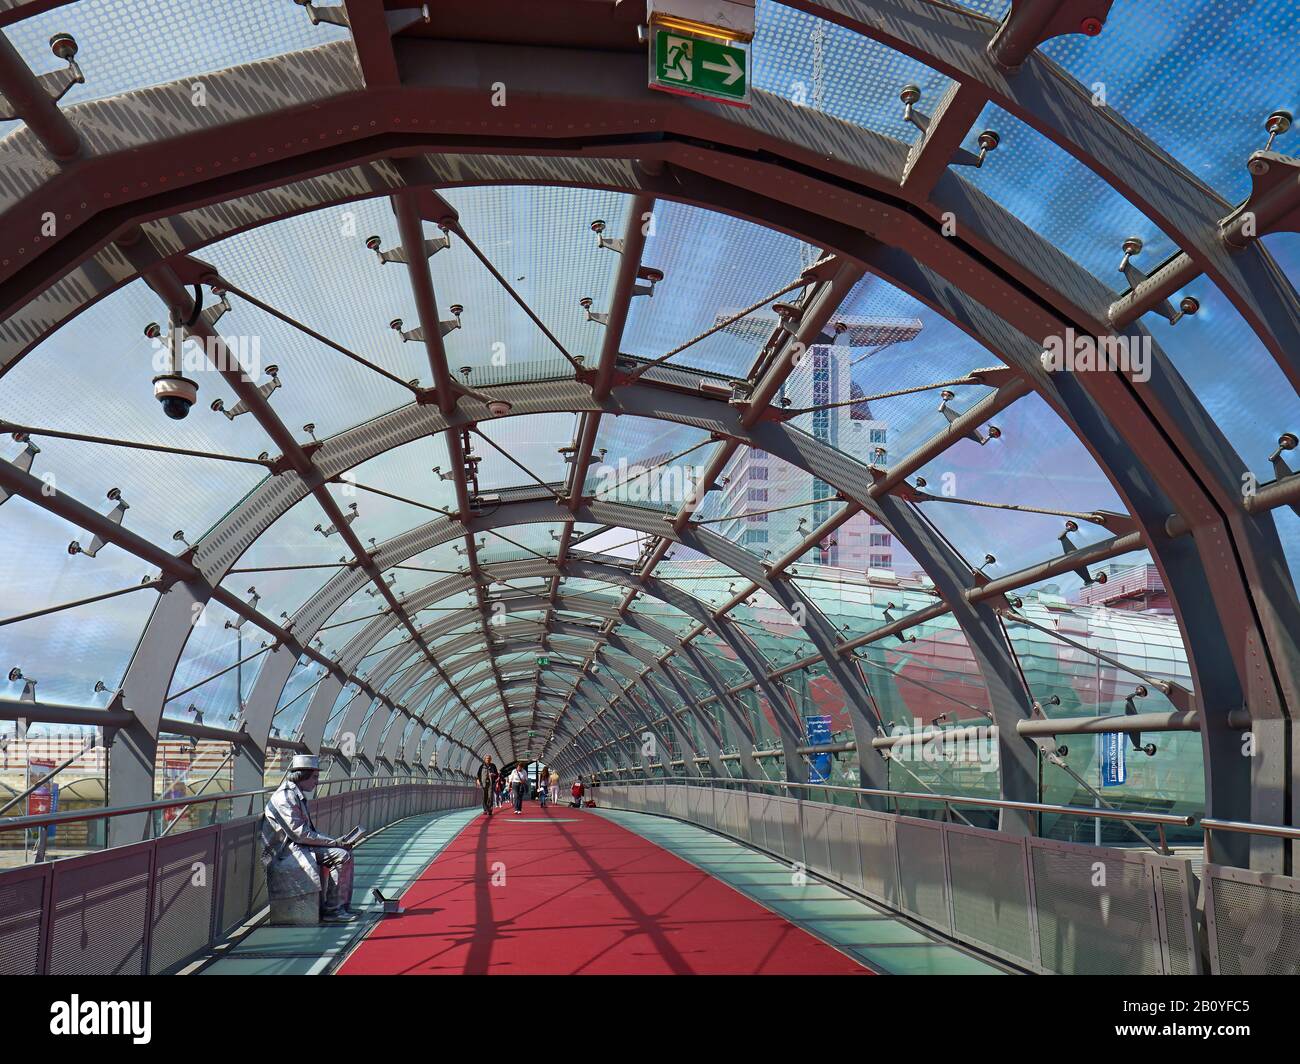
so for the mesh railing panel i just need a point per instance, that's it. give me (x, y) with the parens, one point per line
(1179, 945)
(1254, 922)
(844, 848)
(879, 858)
(1095, 911)
(759, 818)
(239, 847)
(788, 827)
(923, 890)
(184, 889)
(817, 835)
(990, 892)
(22, 908)
(100, 906)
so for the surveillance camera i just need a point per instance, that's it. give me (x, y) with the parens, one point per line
(176, 393)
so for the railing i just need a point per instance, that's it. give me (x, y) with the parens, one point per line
(161, 816)
(153, 906)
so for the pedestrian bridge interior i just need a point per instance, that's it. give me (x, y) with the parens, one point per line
(880, 489)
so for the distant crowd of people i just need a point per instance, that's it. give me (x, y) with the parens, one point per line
(516, 786)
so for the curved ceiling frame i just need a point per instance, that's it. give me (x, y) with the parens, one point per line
(565, 635)
(394, 552)
(1224, 534)
(541, 510)
(392, 663)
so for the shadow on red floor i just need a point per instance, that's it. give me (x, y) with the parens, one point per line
(566, 892)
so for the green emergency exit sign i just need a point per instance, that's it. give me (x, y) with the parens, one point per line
(695, 66)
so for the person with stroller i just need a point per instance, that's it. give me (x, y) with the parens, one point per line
(577, 791)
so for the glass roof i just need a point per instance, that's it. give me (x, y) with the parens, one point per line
(368, 526)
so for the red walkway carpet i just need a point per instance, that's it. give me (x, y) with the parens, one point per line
(568, 892)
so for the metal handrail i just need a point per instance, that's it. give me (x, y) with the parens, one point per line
(1248, 828)
(20, 823)
(943, 799)
(1245, 827)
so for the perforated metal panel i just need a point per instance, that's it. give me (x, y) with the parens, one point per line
(22, 903)
(1095, 910)
(786, 821)
(879, 856)
(324, 814)
(990, 892)
(759, 814)
(240, 842)
(1254, 922)
(675, 802)
(183, 894)
(731, 813)
(922, 886)
(817, 835)
(1176, 884)
(843, 846)
(100, 907)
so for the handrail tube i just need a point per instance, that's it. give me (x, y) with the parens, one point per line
(104, 812)
(947, 799)
(1245, 827)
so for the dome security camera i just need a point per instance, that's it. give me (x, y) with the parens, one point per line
(177, 394)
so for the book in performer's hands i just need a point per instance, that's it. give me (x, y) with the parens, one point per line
(351, 838)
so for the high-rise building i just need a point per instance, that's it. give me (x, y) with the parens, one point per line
(757, 488)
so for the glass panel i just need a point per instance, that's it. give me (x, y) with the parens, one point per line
(129, 44)
(829, 68)
(714, 266)
(539, 239)
(1036, 464)
(80, 784)
(1069, 682)
(1196, 76)
(646, 462)
(1026, 174)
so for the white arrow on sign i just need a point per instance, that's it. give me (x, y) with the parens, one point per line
(731, 68)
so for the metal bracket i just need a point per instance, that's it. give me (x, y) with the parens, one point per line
(432, 246)
(23, 461)
(337, 15)
(56, 83)
(120, 506)
(952, 415)
(1031, 22)
(1273, 205)
(241, 407)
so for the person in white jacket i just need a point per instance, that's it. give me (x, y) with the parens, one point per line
(518, 784)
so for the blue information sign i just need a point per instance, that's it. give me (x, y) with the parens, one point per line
(819, 734)
(1114, 767)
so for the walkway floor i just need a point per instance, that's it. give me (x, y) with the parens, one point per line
(565, 892)
(879, 939)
